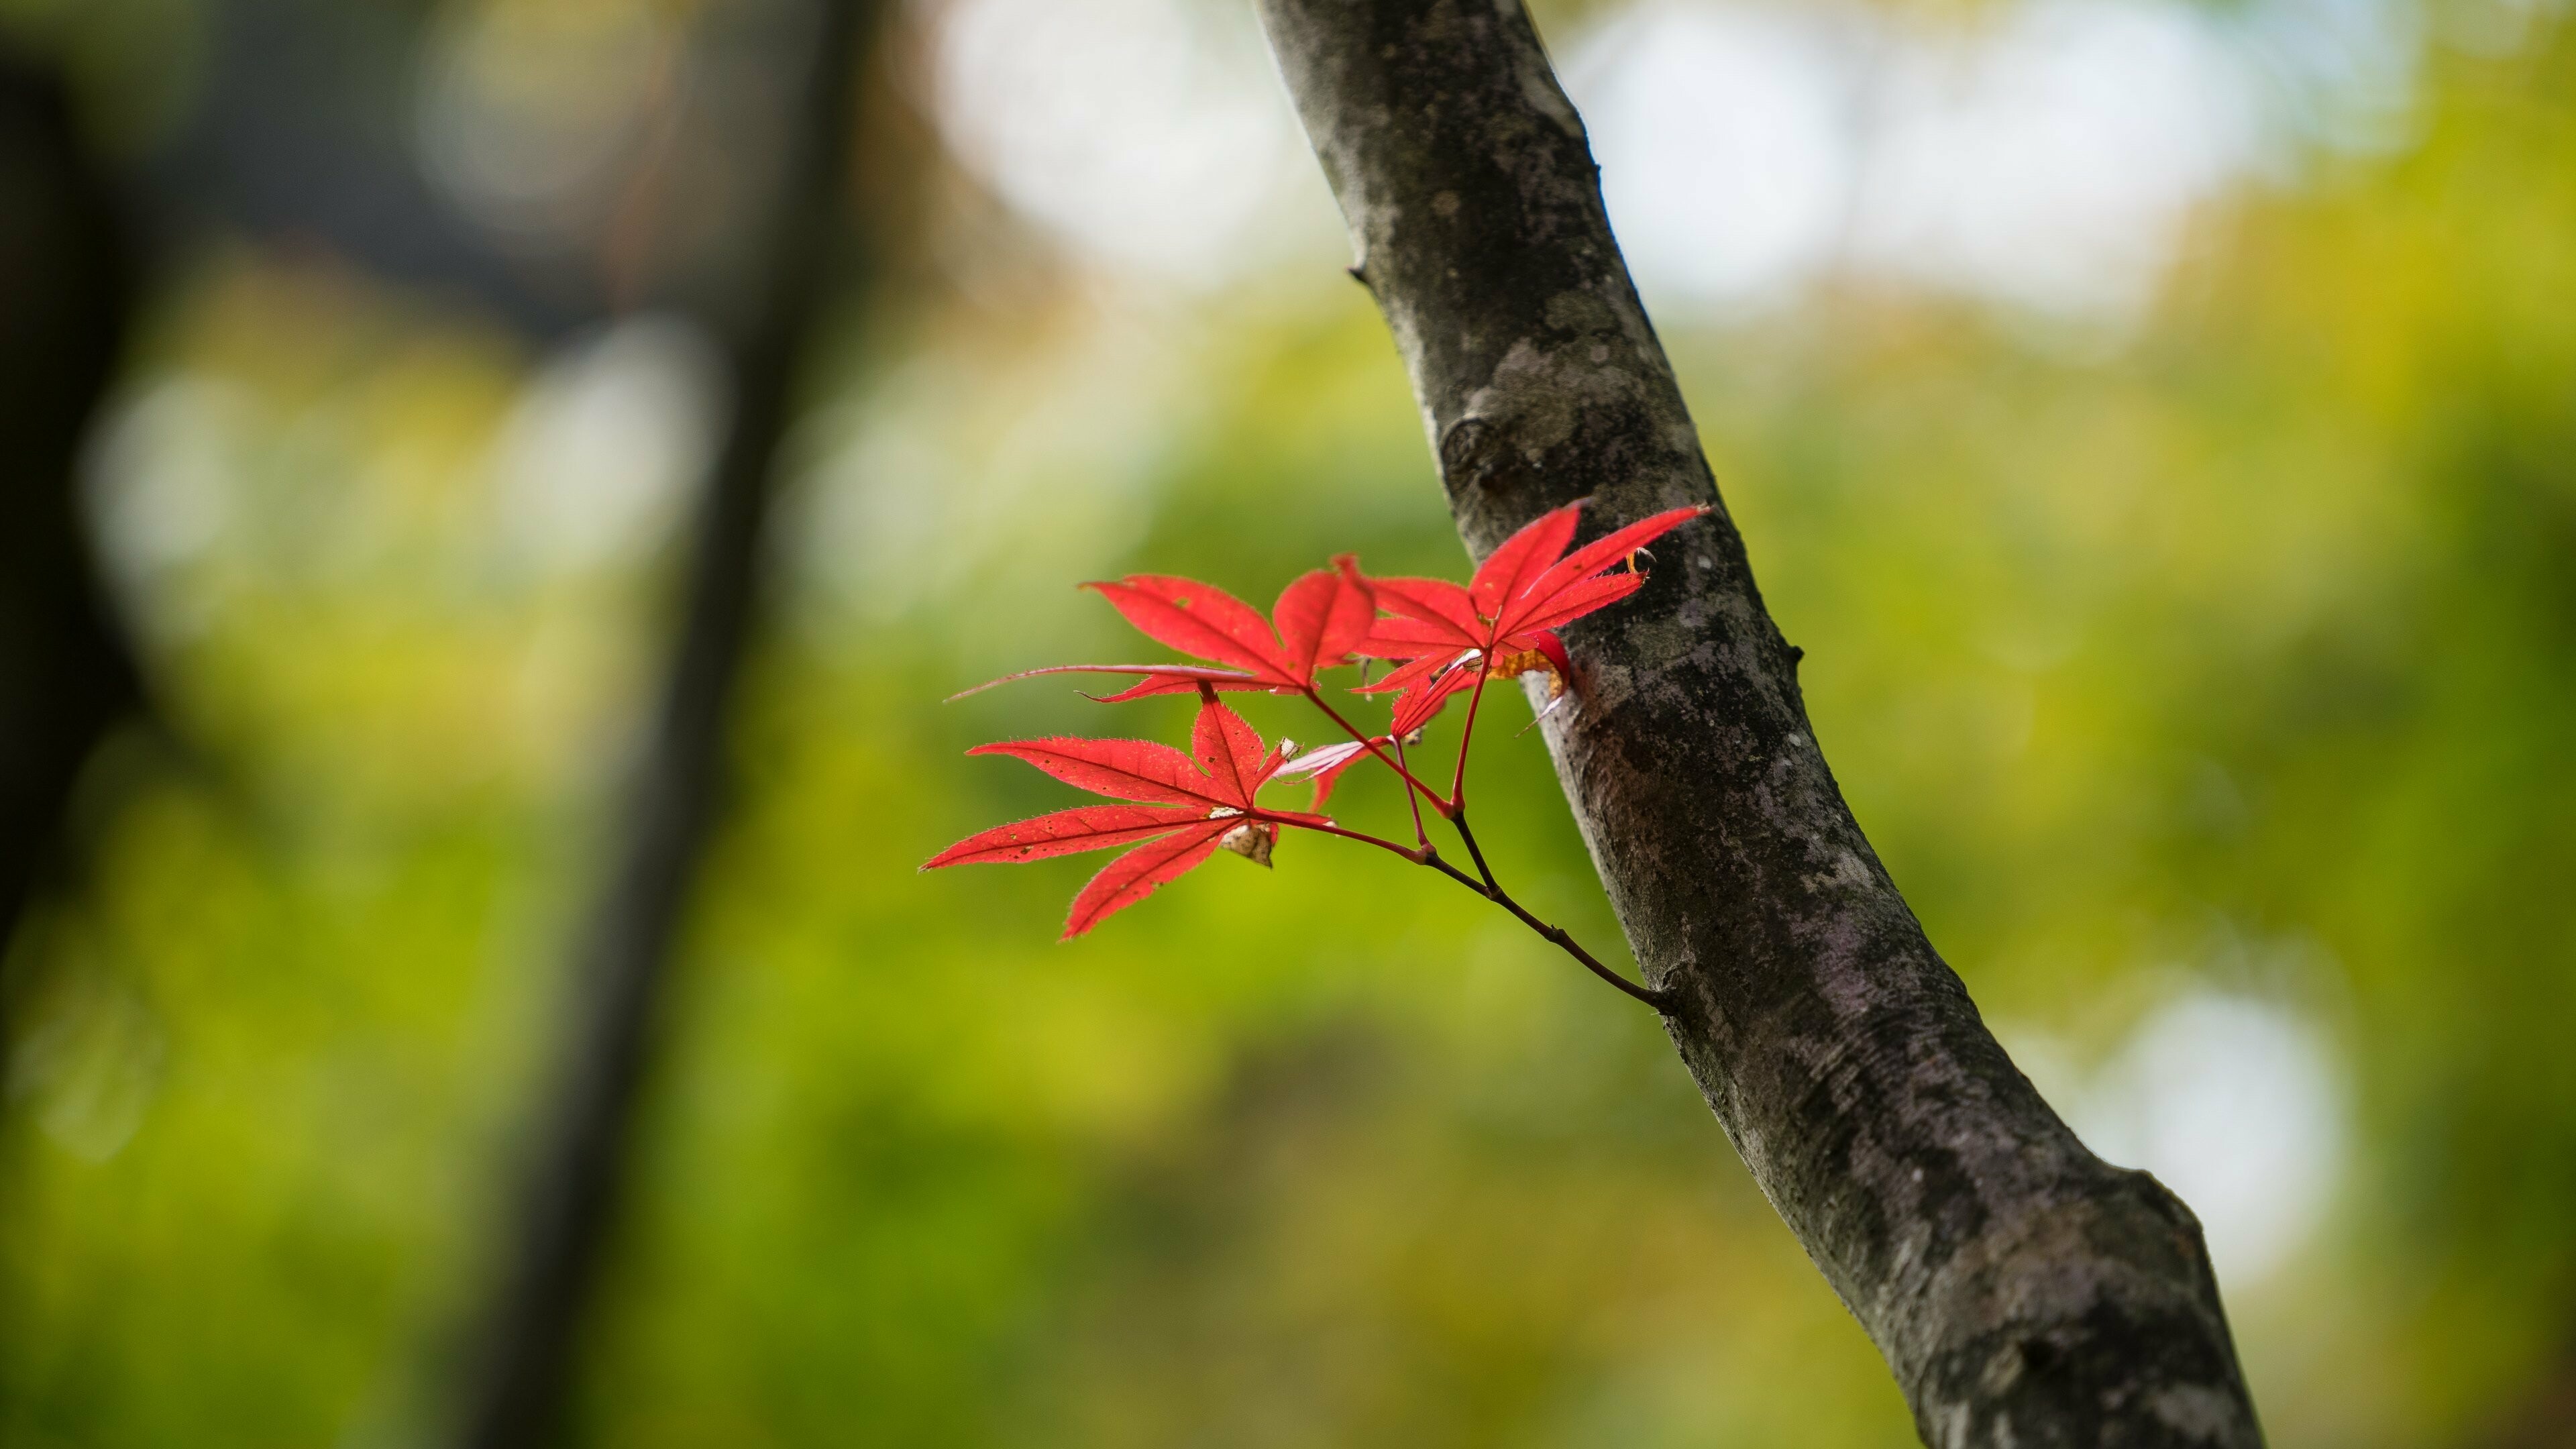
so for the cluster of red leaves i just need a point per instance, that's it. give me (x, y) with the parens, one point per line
(1507, 616)
(1443, 636)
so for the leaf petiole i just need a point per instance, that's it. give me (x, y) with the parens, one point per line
(1429, 855)
(1371, 746)
(1467, 735)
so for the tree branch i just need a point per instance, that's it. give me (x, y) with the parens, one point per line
(67, 285)
(524, 1357)
(2023, 1291)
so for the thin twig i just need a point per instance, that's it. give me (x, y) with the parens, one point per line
(1413, 802)
(1429, 855)
(1467, 736)
(1474, 852)
(1656, 999)
(1432, 858)
(1363, 837)
(1659, 1000)
(1421, 836)
(1371, 745)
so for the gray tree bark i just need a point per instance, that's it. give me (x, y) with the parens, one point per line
(2023, 1291)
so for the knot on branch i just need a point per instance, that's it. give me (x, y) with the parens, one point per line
(1482, 471)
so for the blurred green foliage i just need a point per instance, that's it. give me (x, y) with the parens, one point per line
(2241, 655)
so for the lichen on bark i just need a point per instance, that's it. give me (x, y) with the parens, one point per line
(2023, 1291)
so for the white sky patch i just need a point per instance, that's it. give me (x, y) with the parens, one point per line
(1151, 137)
(2046, 158)
(1725, 142)
(2232, 1101)
(2050, 162)
(607, 443)
(2044, 155)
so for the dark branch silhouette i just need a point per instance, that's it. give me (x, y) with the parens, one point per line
(66, 291)
(525, 1353)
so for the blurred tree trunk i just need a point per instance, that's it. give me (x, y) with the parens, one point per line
(66, 288)
(2545, 1415)
(2024, 1292)
(525, 1354)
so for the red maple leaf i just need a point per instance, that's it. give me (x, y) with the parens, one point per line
(1326, 763)
(1199, 802)
(1446, 638)
(1320, 622)
(1176, 809)
(1503, 622)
